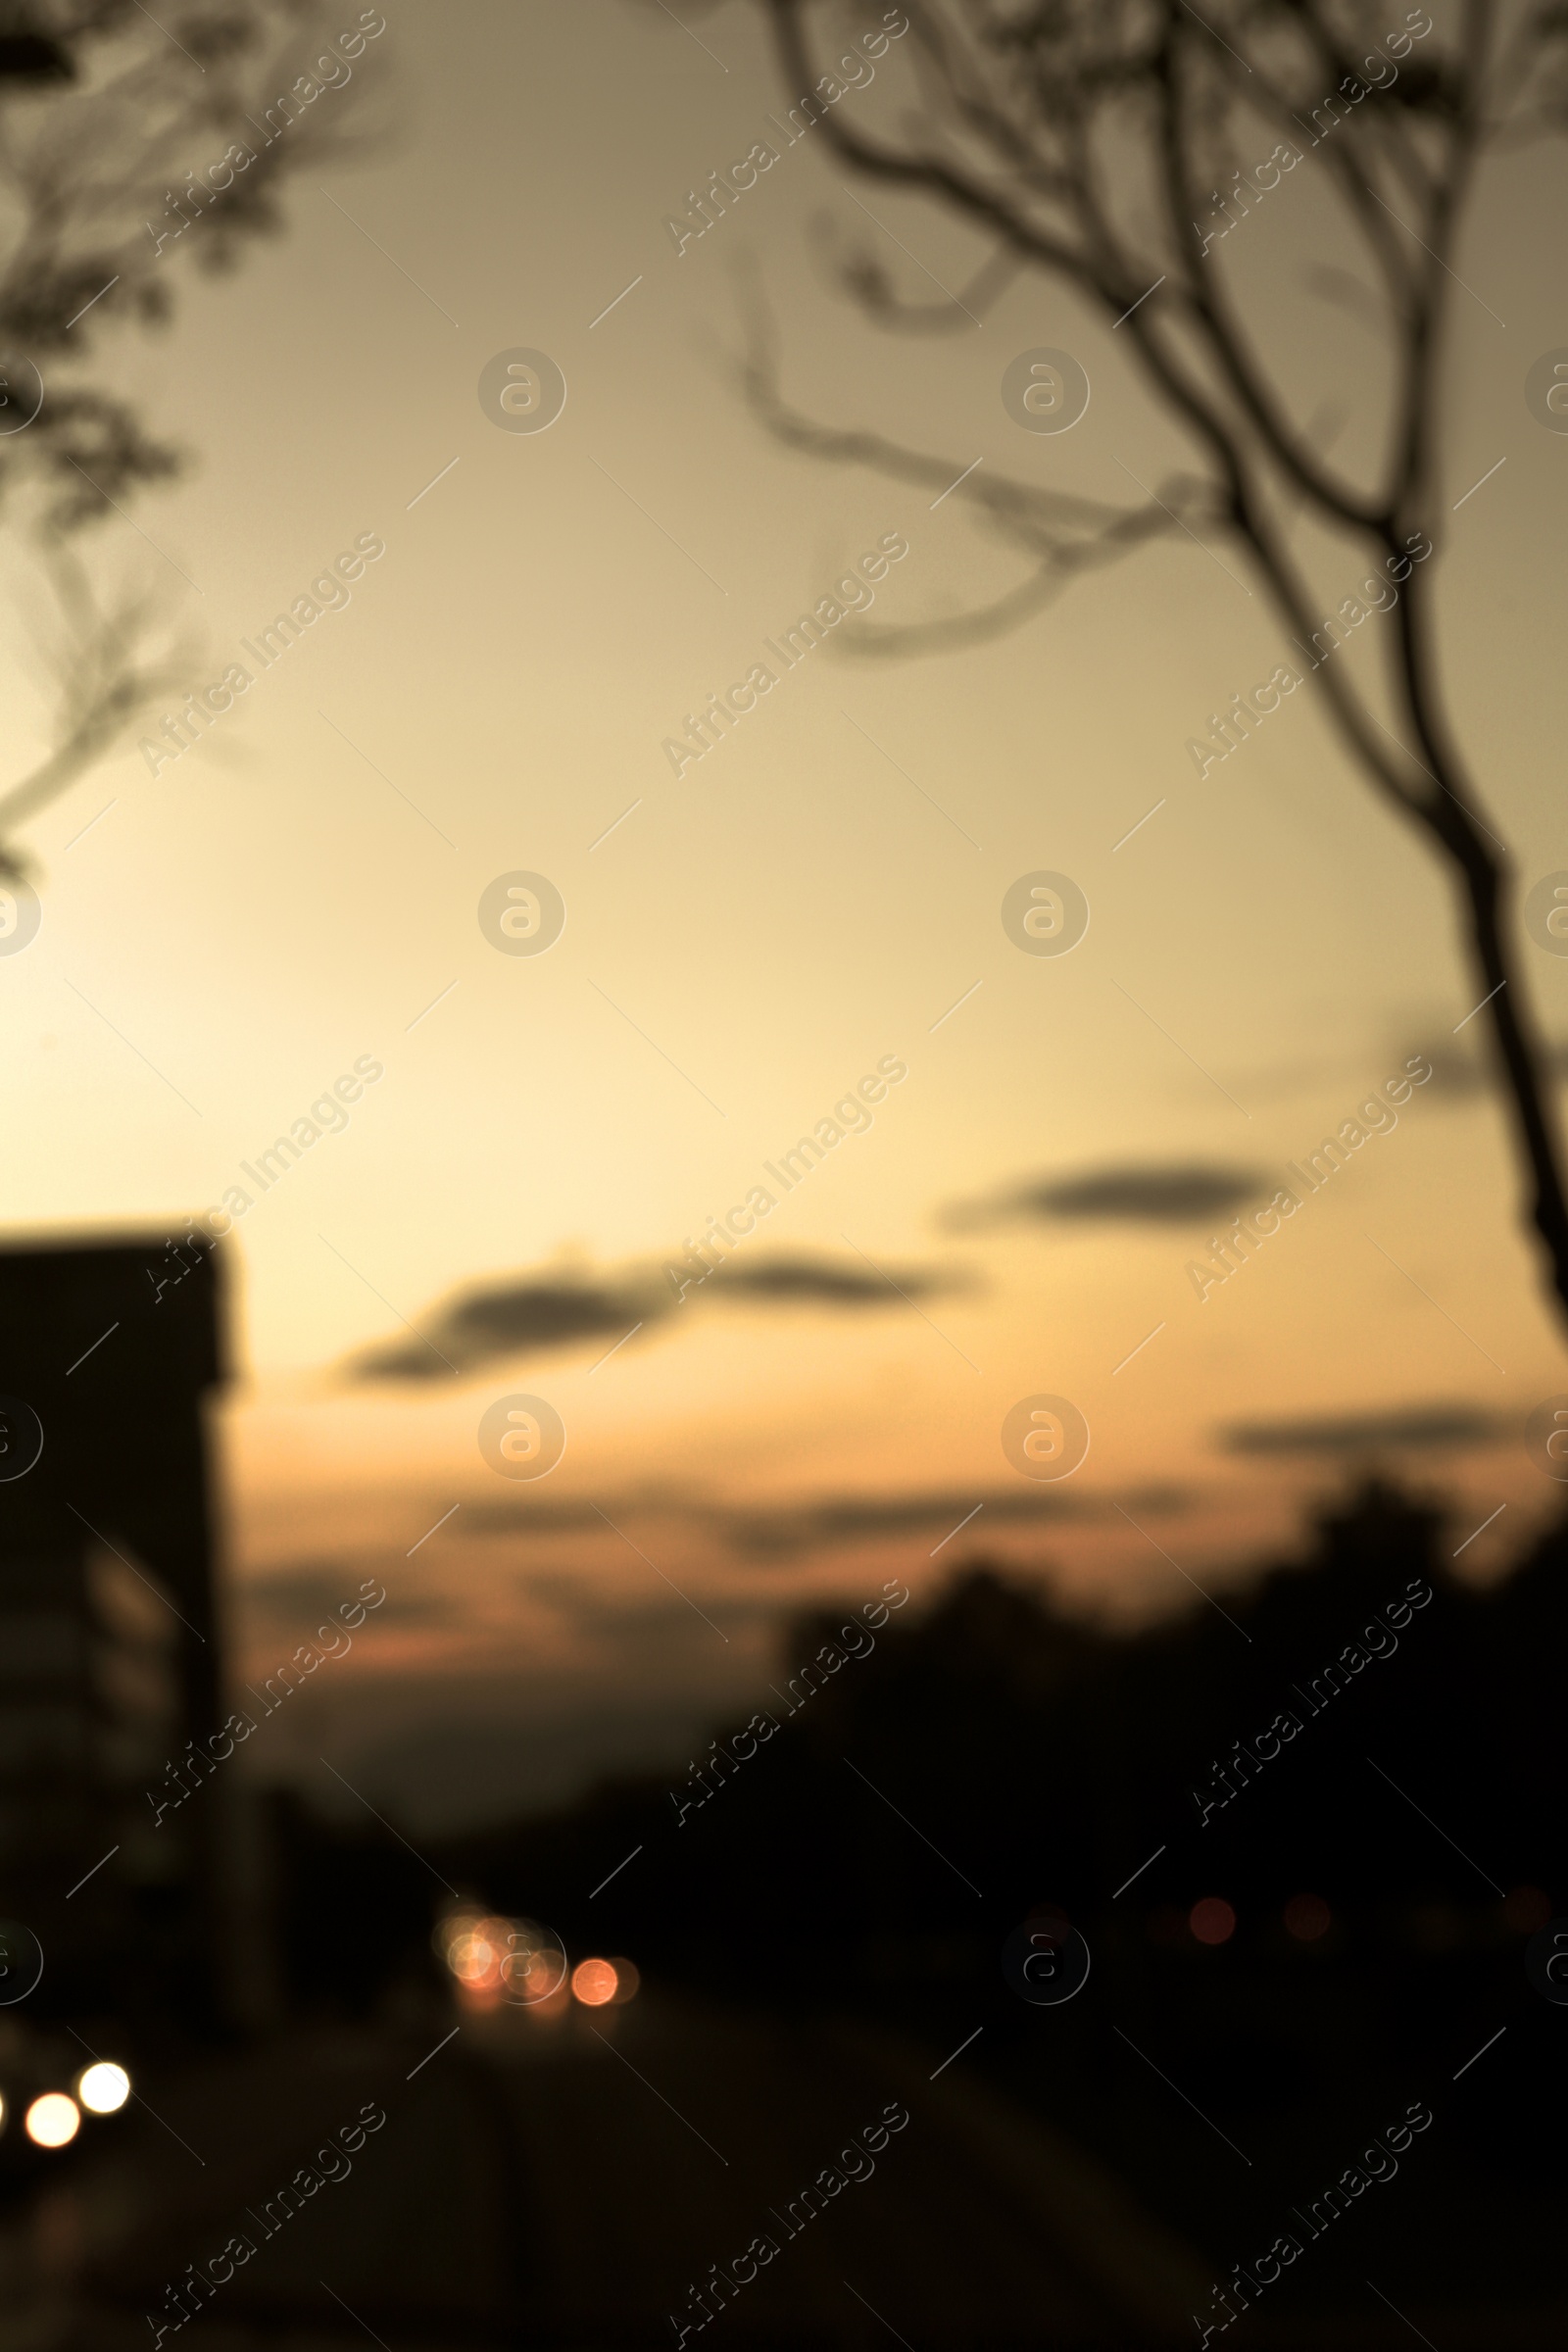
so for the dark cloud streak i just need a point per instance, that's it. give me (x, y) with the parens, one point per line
(1178, 1193)
(1420, 1427)
(810, 1526)
(535, 1314)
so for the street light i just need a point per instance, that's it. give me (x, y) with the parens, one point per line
(53, 2119)
(103, 2088)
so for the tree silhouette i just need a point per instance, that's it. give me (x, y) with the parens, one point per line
(1105, 144)
(125, 145)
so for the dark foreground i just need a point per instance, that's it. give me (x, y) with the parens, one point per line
(568, 2182)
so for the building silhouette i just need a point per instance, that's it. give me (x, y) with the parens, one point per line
(109, 1635)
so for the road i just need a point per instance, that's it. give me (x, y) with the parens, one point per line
(569, 2183)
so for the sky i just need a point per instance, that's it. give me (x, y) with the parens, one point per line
(818, 898)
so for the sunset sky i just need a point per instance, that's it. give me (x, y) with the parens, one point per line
(822, 893)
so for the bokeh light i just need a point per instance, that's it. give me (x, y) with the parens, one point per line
(594, 1982)
(1212, 1921)
(1307, 1917)
(496, 1959)
(477, 1954)
(452, 1923)
(628, 1979)
(535, 1969)
(103, 2088)
(53, 2119)
(1528, 1909)
(474, 1956)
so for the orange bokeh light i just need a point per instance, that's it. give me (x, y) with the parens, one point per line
(1307, 1917)
(477, 1955)
(476, 1962)
(594, 1982)
(1212, 1921)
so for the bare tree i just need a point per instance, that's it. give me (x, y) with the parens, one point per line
(1106, 144)
(130, 149)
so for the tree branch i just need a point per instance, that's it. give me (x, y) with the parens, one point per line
(1073, 62)
(105, 684)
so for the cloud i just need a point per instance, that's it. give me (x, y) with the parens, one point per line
(550, 1516)
(821, 1281)
(1460, 1070)
(862, 1518)
(307, 1597)
(1419, 1428)
(1179, 1193)
(297, 1593)
(787, 1530)
(581, 1603)
(523, 1318)
(1466, 1069)
(531, 1314)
